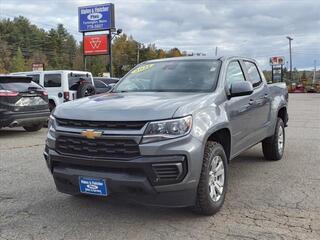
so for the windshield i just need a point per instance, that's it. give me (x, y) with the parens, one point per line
(172, 76)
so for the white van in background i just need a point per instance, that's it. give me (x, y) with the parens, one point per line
(63, 85)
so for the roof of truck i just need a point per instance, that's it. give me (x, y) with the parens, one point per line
(222, 58)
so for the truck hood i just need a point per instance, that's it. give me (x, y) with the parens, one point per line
(142, 106)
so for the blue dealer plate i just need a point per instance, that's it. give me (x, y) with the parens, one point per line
(93, 186)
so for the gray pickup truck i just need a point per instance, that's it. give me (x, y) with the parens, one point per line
(167, 131)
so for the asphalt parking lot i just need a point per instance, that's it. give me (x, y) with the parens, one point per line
(265, 200)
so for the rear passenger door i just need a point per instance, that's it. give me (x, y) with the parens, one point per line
(262, 105)
(52, 82)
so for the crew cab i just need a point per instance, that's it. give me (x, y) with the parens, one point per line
(166, 133)
(22, 103)
(63, 85)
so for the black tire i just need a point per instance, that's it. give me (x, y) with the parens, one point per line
(270, 145)
(205, 205)
(52, 106)
(34, 127)
(85, 90)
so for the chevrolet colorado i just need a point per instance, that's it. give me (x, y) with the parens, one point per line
(167, 131)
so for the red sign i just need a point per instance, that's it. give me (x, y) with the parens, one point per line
(37, 66)
(276, 60)
(95, 44)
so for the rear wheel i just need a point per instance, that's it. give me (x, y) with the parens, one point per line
(52, 106)
(273, 147)
(85, 90)
(213, 180)
(34, 127)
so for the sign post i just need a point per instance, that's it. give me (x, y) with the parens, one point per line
(277, 68)
(93, 19)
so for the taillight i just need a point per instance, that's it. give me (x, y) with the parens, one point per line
(66, 96)
(45, 93)
(7, 93)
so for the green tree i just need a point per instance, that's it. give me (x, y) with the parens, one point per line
(5, 58)
(17, 63)
(174, 52)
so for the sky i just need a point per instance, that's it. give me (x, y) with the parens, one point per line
(251, 28)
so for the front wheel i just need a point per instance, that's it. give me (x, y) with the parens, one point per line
(273, 147)
(34, 127)
(213, 180)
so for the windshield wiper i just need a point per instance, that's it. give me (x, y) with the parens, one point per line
(122, 91)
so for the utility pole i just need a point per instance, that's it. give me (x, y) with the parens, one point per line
(216, 53)
(138, 54)
(290, 39)
(314, 72)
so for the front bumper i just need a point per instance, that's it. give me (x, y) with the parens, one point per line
(135, 179)
(15, 119)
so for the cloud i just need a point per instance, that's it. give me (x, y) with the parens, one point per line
(252, 28)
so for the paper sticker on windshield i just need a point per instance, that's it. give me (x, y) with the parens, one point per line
(213, 69)
(142, 68)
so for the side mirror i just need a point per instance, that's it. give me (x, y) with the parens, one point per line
(242, 88)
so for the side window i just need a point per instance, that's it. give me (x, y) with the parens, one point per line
(254, 76)
(35, 77)
(52, 80)
(234, 73)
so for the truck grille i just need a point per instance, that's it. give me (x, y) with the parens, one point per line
(101, 148)
(130, 125)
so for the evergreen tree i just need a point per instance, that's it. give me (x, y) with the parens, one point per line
(17, 63)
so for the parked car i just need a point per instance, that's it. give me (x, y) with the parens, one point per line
(107, 80)
(101, 87)
(166, 133)
(22, 103)
(103, 84)
(63, 85)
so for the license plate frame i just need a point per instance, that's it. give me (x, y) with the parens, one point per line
(93, 186)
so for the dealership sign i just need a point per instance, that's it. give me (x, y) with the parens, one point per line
(95, 44)
(96, 17)
(37, 66)
(276, 61)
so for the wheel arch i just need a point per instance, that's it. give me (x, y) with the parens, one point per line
(283, 114)
(222, 136)
(53, 102)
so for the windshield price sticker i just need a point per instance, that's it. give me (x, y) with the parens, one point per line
(142, 68)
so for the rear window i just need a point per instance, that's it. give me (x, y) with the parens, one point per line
(75, 79)
(19, 86)
(254, 76)
(52, 80)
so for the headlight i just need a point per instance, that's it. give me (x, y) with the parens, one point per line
(168, 129)
(51, 122)
(52, 126)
